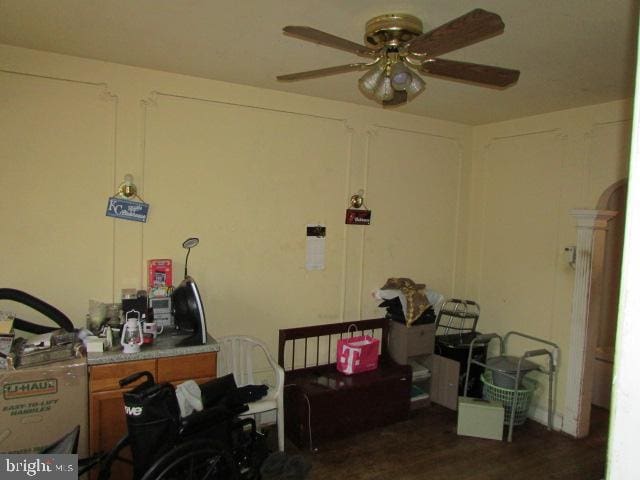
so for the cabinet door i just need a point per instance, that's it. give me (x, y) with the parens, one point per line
(444, 381)
(108, 425)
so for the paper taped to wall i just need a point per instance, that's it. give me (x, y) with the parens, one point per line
(316, 235)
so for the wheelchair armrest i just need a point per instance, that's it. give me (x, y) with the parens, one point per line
(209, 417)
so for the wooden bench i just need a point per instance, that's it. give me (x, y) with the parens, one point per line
(321, 403)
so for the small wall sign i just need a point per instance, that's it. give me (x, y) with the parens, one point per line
(358, 217)
(124, 209)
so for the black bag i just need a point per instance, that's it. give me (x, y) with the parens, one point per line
(153, 419)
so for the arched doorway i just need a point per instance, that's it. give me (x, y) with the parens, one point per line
(595, 296)
(614, 198)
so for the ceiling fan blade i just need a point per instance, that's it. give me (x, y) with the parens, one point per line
(328, 40)
(323, 72)
(471, 72)
(399, 98)
(461, 32)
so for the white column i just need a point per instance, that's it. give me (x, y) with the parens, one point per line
(591, 234)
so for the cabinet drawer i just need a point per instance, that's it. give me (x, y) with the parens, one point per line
(187, 367)
(106, 377)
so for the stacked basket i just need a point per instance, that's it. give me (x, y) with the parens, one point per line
(518, 398)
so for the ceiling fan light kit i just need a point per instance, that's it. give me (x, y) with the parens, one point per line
(400, 51)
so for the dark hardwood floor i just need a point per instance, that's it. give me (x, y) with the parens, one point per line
(427, 447)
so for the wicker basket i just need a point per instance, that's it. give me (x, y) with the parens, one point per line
(521, 397)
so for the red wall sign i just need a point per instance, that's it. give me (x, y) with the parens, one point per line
(358, 217)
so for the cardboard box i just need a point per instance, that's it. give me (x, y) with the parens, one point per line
(6, 340)
(480, 418)
(41, 404)
(6, 357)
(405, 342)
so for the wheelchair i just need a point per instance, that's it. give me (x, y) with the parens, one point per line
(212, 444)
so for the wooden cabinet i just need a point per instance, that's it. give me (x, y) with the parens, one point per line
(107, 423)
(435, 378)
(444, 381)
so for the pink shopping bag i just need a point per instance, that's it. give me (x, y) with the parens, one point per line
(357, 354)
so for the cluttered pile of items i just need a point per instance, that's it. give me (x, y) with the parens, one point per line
(144, 314)
(140, 317)
(434, 325)
(493, 391)
(46, 345)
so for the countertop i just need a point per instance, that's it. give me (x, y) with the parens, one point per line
(163, 346)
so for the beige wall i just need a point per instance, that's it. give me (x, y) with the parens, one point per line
(244, 169)
(475, 212)
(527, 175)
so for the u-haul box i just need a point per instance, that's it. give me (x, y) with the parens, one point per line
(41, 404)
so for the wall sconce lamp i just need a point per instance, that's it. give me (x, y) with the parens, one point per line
(127, 188)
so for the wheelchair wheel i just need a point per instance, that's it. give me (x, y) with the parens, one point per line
(195, 460)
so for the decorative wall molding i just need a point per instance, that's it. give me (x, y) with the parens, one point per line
(460, 149)
(614, 123)
(591, 228)
(345, 247)
(59, 79)
(103, 94)
(372, 131)
(557, 132)
(349, 126)
(150, 101)
(158, 94)
(378, 127)
(376, 130)
(344, 130)
(108, 96)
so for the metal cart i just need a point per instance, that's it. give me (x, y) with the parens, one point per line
(515, 401)
(455, 329)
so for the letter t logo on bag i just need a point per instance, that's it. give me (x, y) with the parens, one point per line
(352, 358)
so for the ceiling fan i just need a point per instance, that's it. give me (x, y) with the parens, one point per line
(397, 49)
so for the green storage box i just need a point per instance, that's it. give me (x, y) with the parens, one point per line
(480, 418)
